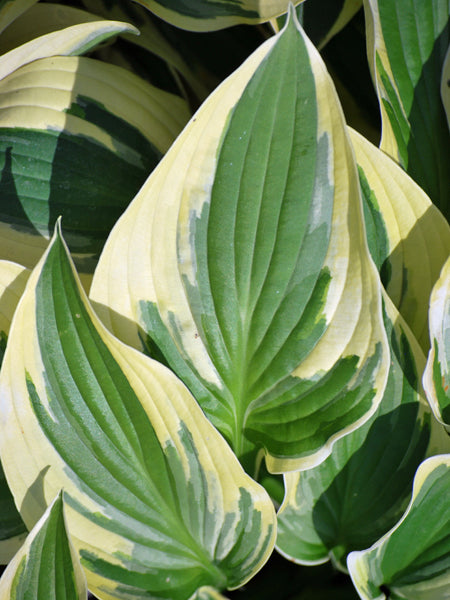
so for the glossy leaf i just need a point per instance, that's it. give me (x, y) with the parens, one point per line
(407, 43)
(156, 502)
(408, 237)
(413, 560)
(46, 567)
(209, 15)
(246, 263)
(60, 117)
(13, 278)
(436, 379)
(361, 490)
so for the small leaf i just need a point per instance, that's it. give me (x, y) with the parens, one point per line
(407, 43)
(156, 502)
(46, 567)
(413, 560)
(436, 379)
(408, 236)
(361, 490)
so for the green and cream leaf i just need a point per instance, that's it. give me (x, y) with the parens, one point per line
(408, 236)
(361, 490)
(247, 266)
(46, 567)
(436, 378)
(155, 499)
(413, 559)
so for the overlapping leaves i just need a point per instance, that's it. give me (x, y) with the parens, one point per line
(155, 500)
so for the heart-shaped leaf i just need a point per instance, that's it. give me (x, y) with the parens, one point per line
(246, 263)
(156, 502)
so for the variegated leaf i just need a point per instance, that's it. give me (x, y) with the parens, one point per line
(407, 43)
(323, 19)
(78, 139)
(156, 503)
(13, 278)
(436, 379)
(209, 15)
(361, 490)
(246, 263)
(11, 9)
(408, 237)
(412, 560)
(46, 567)
(70, 41)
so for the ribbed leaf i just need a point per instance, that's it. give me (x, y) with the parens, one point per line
(70, 41)
(436, 379)
(12, 529)
(11, 9)
(157, 504)
(46, 567)
(408, 237)
(407, 43)
(246, 263)
(60, 117)
(361, 490)
(413, 560)
(209, 15)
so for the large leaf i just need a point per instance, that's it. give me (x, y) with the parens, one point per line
(362, 489)
(208, 15)
(407, 43)
(13, 278)
(436, 379)
(78, 139)
(413, 560)
(246, 263)
(156, 502)
(408, 237)
(46, 567)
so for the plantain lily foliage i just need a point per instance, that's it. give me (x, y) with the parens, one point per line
(224, 334)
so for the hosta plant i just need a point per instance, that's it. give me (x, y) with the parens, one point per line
(255, 360)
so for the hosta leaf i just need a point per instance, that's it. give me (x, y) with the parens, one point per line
(70, 41)
(436, 379)
(407, 43)
(13, 278)
(59, 117)
(413, 560)
(11, 9)
(156, 502)
(246, 263)
(361, 490)
(408, 237)
(209, 15)
(46, 567)
(207, 593)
